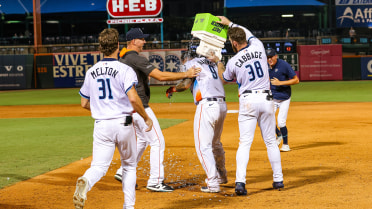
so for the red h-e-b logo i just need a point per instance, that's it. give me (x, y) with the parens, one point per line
(134, 8)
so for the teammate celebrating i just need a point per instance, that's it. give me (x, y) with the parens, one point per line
(209, 96)
(108, 92)
(250, 69)
(282, 76)
(144, 69)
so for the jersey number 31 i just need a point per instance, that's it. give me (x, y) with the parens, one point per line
(103, 88)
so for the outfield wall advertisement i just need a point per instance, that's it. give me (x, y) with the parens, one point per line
(16, 71)
(366, 68)
(320, 62)
(67, 70)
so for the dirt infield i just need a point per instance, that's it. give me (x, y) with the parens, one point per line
(329, 165)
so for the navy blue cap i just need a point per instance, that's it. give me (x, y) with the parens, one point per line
(135, 33)
(270, 52)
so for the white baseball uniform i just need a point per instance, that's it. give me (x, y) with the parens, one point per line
(250, 69)
(105, 85)
(209, 96)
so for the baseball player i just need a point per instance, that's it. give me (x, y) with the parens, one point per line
(250, 69)
(108, 92)
(281, 76)
(209, 96)
(144, 69)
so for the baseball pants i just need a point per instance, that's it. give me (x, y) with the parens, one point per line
(208, 124)
(283, 106)
(155, 139)
(107, 135)
(255, 108)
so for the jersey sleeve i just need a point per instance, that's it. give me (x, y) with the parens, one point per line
(130, 79)
(84, 90)
(291, 73)
(144, 65)
(229, 74)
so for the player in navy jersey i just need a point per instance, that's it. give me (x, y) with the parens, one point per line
(281, 76)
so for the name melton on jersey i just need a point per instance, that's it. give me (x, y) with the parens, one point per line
(248, 56)
(104, 71)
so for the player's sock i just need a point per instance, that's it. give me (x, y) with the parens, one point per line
(277, 131)
(284, 132)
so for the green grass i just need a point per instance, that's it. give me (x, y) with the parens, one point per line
(32, 146)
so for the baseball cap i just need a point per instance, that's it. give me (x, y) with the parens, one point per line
(270, 52)
(134, 33)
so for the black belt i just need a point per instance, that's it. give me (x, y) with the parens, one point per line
(251, 91)
(211, 99)
(128, 120)
(215, 99)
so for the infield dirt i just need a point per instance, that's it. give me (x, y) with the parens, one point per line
(329, 165)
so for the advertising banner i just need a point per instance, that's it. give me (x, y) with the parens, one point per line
(320, 62)
(354, 16)
(16, 71)
(69, 68)
(44, 71)
(366, 68)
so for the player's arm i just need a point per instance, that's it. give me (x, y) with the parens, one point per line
(170, 76)
(292, 81)
(138, 106)
(85, 103)
(221, 70)
(181, 86)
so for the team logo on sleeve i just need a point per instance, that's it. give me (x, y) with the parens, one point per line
(172, 63)
(157, 61)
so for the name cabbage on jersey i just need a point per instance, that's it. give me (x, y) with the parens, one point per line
(248, 56)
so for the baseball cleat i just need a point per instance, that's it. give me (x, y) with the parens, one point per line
(285, 148)
(118, 177)
(279, 139)
(222, 180)
(278, 185)
(162, 187)
(80, 193)
(210, 190)
(240, 188)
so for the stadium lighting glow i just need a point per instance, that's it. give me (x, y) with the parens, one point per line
(52, 21)
(287, 15)
(309, 14)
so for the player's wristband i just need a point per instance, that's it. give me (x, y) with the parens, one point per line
(231, 24)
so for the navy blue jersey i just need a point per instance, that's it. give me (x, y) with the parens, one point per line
(282, 71)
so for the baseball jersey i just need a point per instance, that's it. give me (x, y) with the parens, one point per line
(250, 61)
(105, 86)
(143, 68)
(207, 84)
(283, 71)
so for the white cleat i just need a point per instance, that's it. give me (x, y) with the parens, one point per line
(285, 148)
(210, 190)
(279, 139)
(80, 193)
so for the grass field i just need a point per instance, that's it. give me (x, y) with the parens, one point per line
(33, 146)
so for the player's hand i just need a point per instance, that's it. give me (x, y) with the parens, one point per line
(149, 124)
(275, 82)
(193, 72)
(212, 56)
(224, 20)
(170, 91)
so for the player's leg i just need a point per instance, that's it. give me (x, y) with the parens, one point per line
(103, 151)
(218, 151)
(282, 121)
(279, 136)
(155, 139)
(266, 122)
(126, 143)
(247, 124)
(206, 115)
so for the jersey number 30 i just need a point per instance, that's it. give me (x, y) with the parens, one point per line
(103, 88)
(257, 71)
